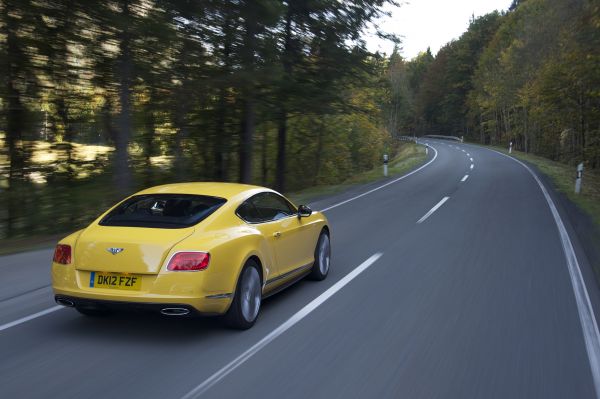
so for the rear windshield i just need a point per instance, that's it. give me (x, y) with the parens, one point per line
(167, 211)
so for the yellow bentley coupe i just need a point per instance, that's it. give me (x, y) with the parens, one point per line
(191, 249)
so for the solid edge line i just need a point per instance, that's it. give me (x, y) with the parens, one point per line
(464, 178)
(435, 208)
(589, 326)
(383, 185)
(301, 314)
(30, 317)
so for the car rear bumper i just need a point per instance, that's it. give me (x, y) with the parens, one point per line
(168, 309)
(170, 290)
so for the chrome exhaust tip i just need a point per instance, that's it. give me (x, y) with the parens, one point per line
(65, 302)
(174, 311)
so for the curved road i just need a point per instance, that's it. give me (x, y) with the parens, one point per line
(442, 286)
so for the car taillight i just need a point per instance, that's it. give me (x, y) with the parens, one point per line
(62, 254)
(189, 261)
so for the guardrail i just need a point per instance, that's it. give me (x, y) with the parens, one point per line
(407, 138)
(441, 137)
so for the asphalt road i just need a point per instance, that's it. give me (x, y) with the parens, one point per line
(473, 301)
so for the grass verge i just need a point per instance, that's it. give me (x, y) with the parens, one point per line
(563, 178)
(409, 156)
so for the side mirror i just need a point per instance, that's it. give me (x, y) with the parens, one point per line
(304, 211)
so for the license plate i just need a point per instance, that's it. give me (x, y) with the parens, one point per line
(116, 281)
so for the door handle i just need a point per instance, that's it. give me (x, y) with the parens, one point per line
(277, 234)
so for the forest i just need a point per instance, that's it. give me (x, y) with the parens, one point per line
(530, 75)
(99, 99)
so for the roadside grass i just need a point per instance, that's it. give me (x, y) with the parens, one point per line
(563, 178)
(15, 245)
(94, 196)
(408, 157)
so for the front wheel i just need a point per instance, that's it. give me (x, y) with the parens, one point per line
(320, 268)
(244, 309)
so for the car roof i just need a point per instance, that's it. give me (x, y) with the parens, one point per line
(213, 189)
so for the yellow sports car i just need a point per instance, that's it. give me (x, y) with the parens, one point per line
(191, 249)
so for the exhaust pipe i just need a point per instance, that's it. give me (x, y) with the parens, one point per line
(65, 302)
(175, 311)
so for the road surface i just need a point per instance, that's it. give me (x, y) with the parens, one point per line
(451, 282)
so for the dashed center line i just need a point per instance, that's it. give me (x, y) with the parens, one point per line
(435, 208)
(464, 178)
(472, 166)
(471, 159)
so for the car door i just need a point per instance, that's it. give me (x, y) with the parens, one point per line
(283, 229)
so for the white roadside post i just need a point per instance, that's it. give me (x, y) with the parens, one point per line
(385, 165)
(462, 139)
(510, 147)
(426, 149)
(578, 178)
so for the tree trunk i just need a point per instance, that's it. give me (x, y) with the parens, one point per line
(15, 111)
(319, 155)
(122, 170)
(180, 137)
(249, 118)
(247, 137)
(150, 133)
(264, 164)
(280, 171)
(15, 117)
(222, 144)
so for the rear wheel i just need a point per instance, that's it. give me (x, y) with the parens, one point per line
(244, 309)
(320, 268)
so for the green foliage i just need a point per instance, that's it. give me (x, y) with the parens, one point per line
(272, 92)
(536, 81)
(530, 76)
(442, 102)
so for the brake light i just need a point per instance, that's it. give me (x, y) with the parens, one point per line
(189, 261)
(62, 254)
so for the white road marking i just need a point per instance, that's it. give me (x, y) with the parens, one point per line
(472, 166)
(468, 154)
(587, 317)
(383, 185)
(471, 159)
(464, 178)
(30, 317)
(435, 208)
(298, 316)
(463, 151)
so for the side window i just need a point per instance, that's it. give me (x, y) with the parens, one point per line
(272, 206)
(265, 207)
(249, 213)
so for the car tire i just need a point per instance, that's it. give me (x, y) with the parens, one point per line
(93, 312)
(245, 308)
(320, 268)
